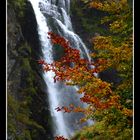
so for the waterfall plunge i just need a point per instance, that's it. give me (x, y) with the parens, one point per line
(57, 11)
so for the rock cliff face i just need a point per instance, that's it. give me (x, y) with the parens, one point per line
(28, 109)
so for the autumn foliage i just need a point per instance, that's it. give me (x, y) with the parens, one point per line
(108, 104)
(74, 70)
(60, 138)
(77, 71)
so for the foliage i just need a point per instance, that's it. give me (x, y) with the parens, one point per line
(60, 138)
(117, 48)
(97, 93)
(110, 106)
(81, 16)
(119, 17)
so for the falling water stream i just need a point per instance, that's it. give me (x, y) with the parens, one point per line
(53, 15)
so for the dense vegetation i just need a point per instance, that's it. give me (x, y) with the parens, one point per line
(109, 105)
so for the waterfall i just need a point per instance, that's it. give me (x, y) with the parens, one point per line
(53, 15)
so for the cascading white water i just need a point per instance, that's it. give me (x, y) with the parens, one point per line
(53, 15)
(47, 50)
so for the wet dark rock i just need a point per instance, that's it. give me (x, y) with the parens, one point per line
(28, 108)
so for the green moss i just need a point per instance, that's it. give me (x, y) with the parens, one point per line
(13, 114)
(25, 135)
(19, 110)
(25, 64)
(18, 6)
(19, 115)
(24, 47)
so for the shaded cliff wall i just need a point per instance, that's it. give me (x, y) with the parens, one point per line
(28, 109)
